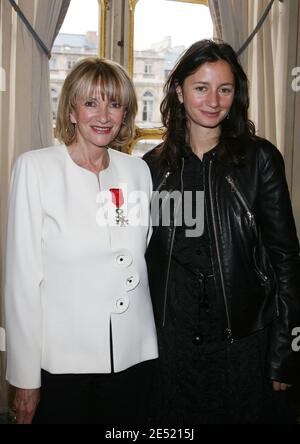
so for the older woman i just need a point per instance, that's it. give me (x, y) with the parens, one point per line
(80, 327)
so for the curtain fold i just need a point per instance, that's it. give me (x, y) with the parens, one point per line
(265, 60)
(25, 106)
(269, 62)
(216, 18)
(292, 139)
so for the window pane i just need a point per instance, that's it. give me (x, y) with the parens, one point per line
(143, 146)
(78, 38)
(163, 30)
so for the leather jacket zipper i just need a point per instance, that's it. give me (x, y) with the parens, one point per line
(172, 245)
(229, 329)
(260, 273)
(163, 182)
(242, 200)
(251, 219)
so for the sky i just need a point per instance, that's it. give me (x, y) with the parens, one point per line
(155, 19)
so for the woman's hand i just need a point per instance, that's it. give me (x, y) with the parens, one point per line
(280, 386)
(25, 403)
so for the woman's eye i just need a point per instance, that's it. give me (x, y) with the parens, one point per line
(226, 91)
(90, 103)
(115, 105)
(201, 89)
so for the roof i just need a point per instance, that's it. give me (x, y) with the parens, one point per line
(74, 41)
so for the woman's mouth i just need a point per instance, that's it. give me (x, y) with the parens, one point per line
(211, 115)
(103, 130)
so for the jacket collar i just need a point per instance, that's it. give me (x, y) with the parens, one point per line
(188, 154)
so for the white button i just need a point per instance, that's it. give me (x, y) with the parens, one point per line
(132, 281)
(122, 304)
(124, 259)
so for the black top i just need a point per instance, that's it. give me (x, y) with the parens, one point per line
(194, 309)
(193, 253)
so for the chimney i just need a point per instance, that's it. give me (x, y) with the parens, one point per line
(91, 37)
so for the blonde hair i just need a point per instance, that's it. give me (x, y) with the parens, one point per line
(115, 85)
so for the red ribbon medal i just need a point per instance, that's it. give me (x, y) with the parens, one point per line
(118, 201)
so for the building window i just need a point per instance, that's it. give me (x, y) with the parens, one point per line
(148, 69)
(53, 63)
(54, 93)
(54, 98)
(148, 100)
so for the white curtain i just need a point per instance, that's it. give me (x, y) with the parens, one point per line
(292, 114)
(265, 59)
(25, 113)
(230, 19)
(269, 61)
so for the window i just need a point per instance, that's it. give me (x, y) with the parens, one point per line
(71, 63)
(146, 36)
(148, 107)
(78, 38)
(148, 69)
(54, 100)
(143, 146)
(53, 63)
(163, 29)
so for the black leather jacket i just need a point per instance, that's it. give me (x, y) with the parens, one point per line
(255, 249)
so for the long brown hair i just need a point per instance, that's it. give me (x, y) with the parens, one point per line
(234, 129)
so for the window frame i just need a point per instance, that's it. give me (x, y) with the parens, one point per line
(105, 6)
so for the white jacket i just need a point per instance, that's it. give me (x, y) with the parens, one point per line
(70, 274)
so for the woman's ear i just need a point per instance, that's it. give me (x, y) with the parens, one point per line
(73, 117)
(179, 93)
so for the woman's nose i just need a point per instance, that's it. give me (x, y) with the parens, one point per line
(103, 114)
(213, 99)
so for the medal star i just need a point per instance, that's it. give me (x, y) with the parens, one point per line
(118, 201)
